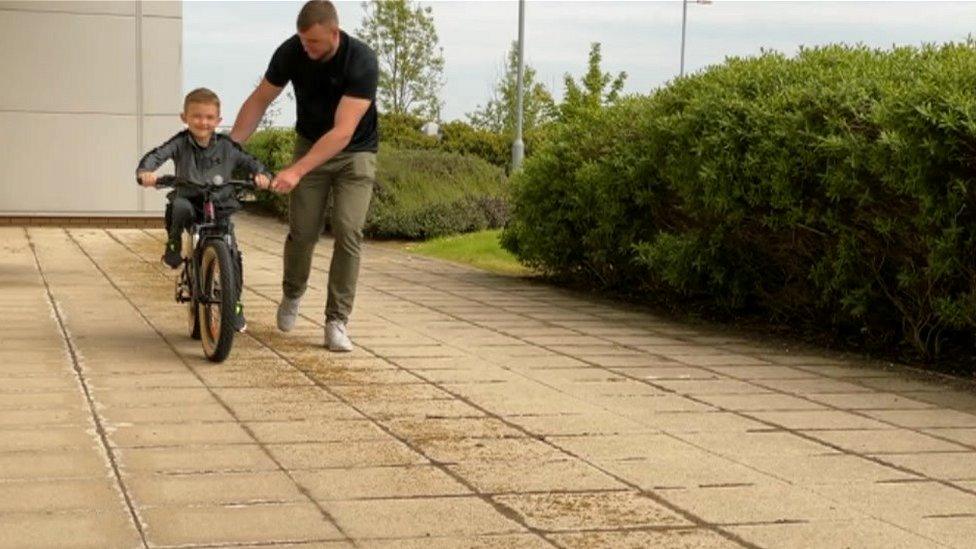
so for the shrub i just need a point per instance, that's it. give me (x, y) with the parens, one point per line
(273, 147)
(403, 132)
(424, 194)
(419, 193)
(835, 188)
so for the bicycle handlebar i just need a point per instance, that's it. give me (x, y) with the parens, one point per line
(166, 181)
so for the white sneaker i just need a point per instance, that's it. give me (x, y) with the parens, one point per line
(287, 313)
(336, 338)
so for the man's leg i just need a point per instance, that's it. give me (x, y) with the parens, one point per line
(352, 190)
(306, 204)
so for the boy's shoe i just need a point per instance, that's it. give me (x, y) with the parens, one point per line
(336, 337)
(239, 323)
(288, 312)
(172, 257)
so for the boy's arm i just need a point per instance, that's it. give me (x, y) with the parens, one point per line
(154, 159)
(251, 164)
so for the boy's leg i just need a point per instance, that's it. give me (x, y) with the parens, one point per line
(352, 190)
(168, 215)
(306, 206)
(181, 217)
(237, 257)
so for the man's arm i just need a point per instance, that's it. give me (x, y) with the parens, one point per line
(348, 114)
(253, 109)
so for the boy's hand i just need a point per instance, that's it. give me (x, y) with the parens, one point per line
(262, 181)
(147, 179)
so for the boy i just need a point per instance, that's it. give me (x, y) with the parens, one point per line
(199, 154)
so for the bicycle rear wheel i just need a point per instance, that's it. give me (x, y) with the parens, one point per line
(219, 297)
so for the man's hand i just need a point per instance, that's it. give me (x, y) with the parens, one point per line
(262, 181)
(147, 179)
(285, 181)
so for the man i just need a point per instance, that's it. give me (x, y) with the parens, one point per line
(334, 77)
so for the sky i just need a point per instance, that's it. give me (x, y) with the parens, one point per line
(227, 45)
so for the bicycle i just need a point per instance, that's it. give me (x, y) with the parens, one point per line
(211, 279)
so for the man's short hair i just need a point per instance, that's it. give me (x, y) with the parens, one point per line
(201, 95)
(317, 12)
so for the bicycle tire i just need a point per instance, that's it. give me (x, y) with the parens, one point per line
(216, 309)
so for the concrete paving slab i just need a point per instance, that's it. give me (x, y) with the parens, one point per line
(476, 411)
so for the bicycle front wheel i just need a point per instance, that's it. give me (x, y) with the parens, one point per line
(216, 306)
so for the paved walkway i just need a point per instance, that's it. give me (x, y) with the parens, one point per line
(477, 411)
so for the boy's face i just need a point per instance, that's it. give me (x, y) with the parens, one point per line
(202, 119)
(320, 41)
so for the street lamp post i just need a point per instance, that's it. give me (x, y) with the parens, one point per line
(684, 26)
(518, 146)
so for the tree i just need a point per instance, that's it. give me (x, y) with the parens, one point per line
(499, 114)
(411, 62)
(595, 89)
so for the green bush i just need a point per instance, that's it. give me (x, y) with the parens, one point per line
(403, 131)
(835, 188)
(462, 138)
(425, 194)
(273, 147)
(419, 193)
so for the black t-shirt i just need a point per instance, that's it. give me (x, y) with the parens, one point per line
(319, 85)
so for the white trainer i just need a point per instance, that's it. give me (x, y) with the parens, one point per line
(287, 313)
(336, 337)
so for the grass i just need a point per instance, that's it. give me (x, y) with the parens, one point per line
(480, 249)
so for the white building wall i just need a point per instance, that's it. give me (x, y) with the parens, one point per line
(88, 87)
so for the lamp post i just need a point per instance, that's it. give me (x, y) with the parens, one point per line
(684, 26)
(518, 146)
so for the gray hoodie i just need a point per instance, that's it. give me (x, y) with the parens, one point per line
(200, 164)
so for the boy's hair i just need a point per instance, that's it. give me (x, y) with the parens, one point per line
(317, 12)
(201, 95)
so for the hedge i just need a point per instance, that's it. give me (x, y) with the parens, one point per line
(420, 194)
(836, 189)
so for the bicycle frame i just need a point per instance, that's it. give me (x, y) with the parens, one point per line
(200, 233)
(209, 247)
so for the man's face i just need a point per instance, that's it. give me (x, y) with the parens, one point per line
(202, 119)
(320, 41)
